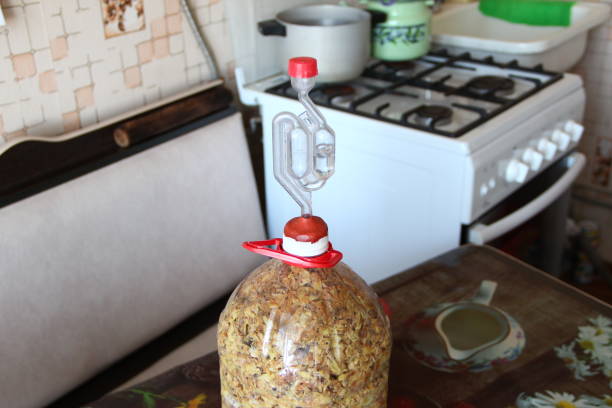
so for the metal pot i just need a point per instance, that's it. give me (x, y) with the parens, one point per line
(337, 36)
(406, 33)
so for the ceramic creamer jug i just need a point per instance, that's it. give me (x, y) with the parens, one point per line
(468, 335)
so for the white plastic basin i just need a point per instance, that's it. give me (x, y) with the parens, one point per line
(465, 28)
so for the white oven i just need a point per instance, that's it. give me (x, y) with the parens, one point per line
(433, 153)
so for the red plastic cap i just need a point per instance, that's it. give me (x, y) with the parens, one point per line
(306, 229)
(303, 67)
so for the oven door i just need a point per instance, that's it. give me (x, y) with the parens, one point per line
(530, 223)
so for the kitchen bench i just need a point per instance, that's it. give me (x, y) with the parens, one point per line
(549, 311)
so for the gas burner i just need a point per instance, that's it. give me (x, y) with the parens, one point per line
(338, 90)
(401, 65)
(433, 115)
(490, 84)
(337, 94)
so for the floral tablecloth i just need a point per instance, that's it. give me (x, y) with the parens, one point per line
(567, 361)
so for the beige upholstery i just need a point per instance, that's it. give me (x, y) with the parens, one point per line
(96, 267)
(203, 344)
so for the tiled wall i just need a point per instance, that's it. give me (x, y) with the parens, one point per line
(59, 72)
(596, 71)
(593, 195)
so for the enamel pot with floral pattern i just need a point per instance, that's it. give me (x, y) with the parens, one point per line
(469, 335)
(406, 33)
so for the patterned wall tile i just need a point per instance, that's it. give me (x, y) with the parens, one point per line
(596, 70)
(59, 72)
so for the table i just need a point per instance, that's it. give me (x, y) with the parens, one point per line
(549, 311)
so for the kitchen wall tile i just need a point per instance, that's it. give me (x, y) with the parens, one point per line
(18, 134)
(85, 4)
(113, 60)
(84, 97)
(193, 75)
(154, 9)
(78, 44)
(596, 182)
(72, 121)
(32, 113)
(52, 111)
(132, 77)
(174, 23)
(44, 61)
(81, 76)
(54, 56)
(13, 118)
(34, 16)
(161, 47)
(145, 52)
(48, 83)
(51, 7)
(203, 15)
(129, 55)
(176, 44)
(18, 36)
(172, 6)
(65, 91)
(4, 45)
(70, 13)
(24, 65)
(152, 94)
(158, 27)
(6, 70)
(28, 88)
(193, 54)
(9, 94)
(10, 3)
(99, 72)
(88, 116)
(220, 41)
(216, 12)
(59, 48)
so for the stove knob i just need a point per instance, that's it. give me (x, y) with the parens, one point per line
(574, 129)
(561, 138)
(547, 148)
(516, 171)
(484, 189)
(533, 159)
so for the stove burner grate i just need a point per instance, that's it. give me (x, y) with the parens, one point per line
(489, 84)
(490, 89)
(400, 65)
(432, 116)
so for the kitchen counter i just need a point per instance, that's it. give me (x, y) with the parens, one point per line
(549, 311)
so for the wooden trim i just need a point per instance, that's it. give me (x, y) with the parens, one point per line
(31, 166)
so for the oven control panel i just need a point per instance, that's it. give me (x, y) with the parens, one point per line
(526, 151)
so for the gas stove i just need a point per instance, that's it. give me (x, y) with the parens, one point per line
(442, 94)
(425, 149)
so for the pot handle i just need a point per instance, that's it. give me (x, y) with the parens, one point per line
(377, 16)
(272, 27)
(485, 292)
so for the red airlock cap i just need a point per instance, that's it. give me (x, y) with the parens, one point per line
(303, 67)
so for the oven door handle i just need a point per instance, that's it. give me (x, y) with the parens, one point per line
(480, 234)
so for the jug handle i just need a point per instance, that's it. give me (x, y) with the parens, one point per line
(485, 292)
